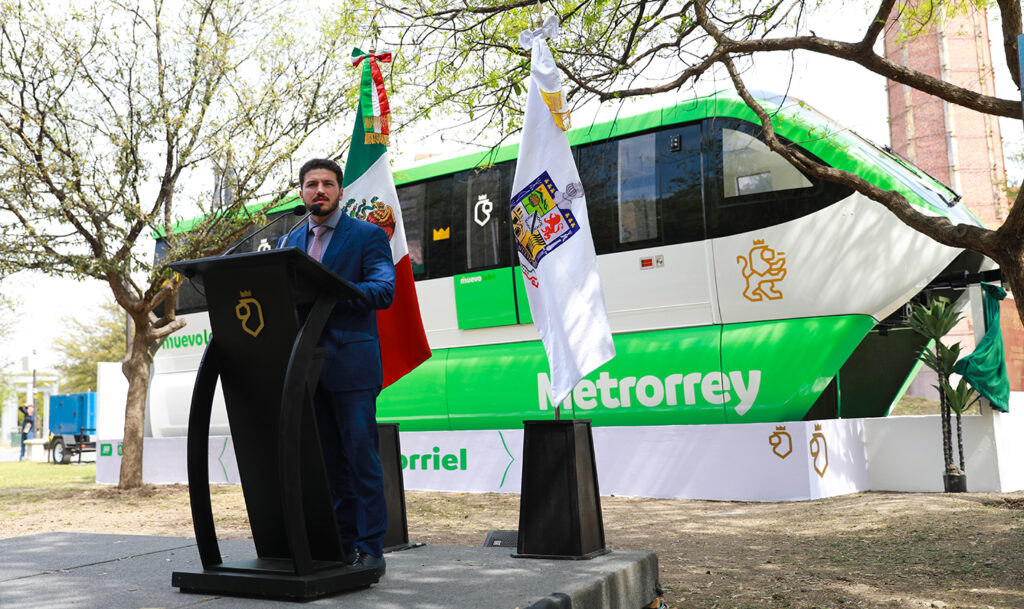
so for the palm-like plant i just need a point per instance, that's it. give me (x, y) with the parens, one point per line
(933, 322)
(960, 399)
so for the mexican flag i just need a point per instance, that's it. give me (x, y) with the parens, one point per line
(369, 194)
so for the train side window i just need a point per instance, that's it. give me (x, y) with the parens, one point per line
(481, 197)
(637, 189)
(749, 187)
(190, 299)
(597, 164)
(680, 185)
(620, 180)
(413, 200)
(440, 231)
(749, 167)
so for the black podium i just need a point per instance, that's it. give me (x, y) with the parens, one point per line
(267, 310)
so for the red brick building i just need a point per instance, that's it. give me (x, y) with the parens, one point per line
(960, 147)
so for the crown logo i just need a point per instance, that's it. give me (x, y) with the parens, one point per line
(758, 241)
(817, 427)
(780, 428)
(245, 293)
(441, 234)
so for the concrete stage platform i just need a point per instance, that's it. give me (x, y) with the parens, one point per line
(92, 571)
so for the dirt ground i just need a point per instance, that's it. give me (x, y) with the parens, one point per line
(866, 550)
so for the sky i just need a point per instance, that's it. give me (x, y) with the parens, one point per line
(851, 96)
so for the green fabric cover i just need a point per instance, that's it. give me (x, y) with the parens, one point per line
(985, 368)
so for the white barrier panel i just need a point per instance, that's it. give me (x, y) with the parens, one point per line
(752, 462)
(905, 453)
(1009, 430)
(111, 396)
(164, 461)
(469, 461)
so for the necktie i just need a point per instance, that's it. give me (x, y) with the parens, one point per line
(316, 249)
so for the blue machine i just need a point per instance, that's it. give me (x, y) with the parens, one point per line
(72, 426)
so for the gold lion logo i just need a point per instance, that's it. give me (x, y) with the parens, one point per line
(763, 267)
(249, 310)
(781, 442)
(819, 451)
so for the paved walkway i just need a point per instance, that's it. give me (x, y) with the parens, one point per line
(131, 571)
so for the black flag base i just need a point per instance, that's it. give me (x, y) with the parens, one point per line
(396, 538)
(587, 556)
(276, 579)
(560, 504)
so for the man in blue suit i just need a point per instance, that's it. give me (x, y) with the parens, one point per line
(352, 376)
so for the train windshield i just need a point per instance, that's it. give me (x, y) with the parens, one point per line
(942, 198)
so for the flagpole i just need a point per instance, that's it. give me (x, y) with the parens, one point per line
(570, 317)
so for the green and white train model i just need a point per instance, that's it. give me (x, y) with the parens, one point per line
(738, 289)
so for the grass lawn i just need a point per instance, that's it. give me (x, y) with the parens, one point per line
(911, 406)
(24, 474)
(25, 482)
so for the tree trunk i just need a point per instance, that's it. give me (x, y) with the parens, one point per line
(1013, 270)
(137, 366)
(960, 441)
(947, 440)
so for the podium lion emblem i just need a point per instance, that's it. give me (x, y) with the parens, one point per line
(763, 268)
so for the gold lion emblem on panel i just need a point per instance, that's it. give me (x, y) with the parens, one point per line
(781, 442)
(819, 451)
(250, 313)
(763, 268)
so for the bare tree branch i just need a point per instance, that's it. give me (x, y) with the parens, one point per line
(876, 26)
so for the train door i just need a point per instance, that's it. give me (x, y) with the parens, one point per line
(485, 374)
(482, 252)
(778, 352)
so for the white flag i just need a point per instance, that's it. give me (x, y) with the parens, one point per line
(552, 230)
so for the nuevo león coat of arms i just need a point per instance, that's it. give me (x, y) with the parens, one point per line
(539, 224)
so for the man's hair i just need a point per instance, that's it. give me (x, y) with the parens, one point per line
(319, 164)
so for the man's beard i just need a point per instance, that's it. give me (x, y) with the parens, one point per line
(323, 207)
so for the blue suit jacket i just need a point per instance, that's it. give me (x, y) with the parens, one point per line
(359, 252)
